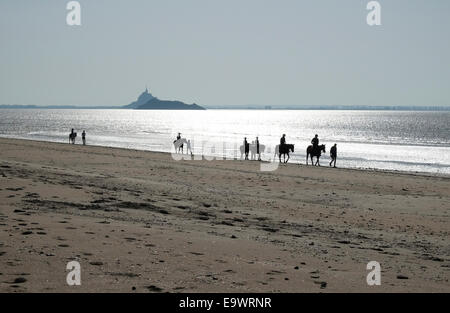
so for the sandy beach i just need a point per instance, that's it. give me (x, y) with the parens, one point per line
(140, 221)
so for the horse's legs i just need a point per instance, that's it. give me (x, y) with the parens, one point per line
(287, 158)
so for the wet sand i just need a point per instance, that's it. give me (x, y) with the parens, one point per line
(141, 222)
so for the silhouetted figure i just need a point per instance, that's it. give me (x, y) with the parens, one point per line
(72, 136)
(257, 149)
(83, 137)
(333, 154)
(180, 147)
(246, 148)
(315, 143)
(310, 152)
(283, 140)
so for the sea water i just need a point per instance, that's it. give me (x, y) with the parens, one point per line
(391, 140)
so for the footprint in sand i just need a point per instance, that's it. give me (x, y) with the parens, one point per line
(323, 284)
(19, 280)
(196, 253)
(154, 288)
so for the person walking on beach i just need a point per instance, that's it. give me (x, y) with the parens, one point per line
(333, 154)
(83, 137)
(246, 148)
(257, 149)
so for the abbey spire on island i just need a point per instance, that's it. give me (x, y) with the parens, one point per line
(146, 101)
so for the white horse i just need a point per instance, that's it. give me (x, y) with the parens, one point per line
(178, 144)
(252, 150)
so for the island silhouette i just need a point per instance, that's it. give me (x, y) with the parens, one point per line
(146, 101)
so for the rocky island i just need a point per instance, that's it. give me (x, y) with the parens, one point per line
(146, 101)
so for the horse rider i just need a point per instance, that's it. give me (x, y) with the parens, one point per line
(282, 143)
(257, 149)
(283, 140)
(315, 143)
(333, 154)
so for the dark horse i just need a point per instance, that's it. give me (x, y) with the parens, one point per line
(317, 154)
(72, 137)
(283, 150)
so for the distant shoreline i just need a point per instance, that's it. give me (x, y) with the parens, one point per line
(256, 108)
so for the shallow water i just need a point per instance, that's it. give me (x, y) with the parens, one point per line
(392, 140)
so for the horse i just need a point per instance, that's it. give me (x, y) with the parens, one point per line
(72, 137)
(317, 154)
(285, 149)
(178, 144)
(253, 151)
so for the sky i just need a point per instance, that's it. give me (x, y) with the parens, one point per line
(226, 52)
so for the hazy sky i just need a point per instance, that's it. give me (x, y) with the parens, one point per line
(225, 52)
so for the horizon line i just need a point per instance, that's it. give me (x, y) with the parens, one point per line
(253, 107)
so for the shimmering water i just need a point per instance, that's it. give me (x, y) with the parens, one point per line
(393, 140)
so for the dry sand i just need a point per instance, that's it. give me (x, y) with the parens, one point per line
(139, 221)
